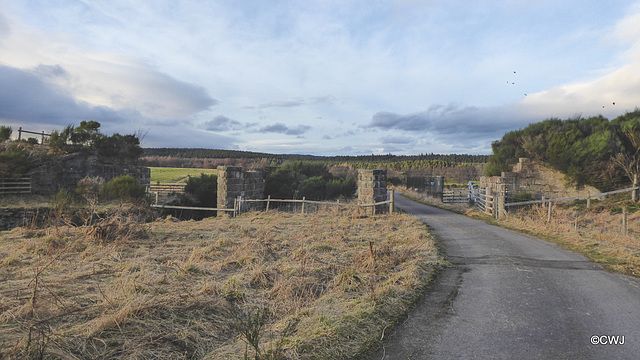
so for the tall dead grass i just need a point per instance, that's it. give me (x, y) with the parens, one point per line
(596, 232)
(263, 285)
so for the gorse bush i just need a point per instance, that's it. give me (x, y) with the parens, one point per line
(312, 180)
(202, 190)
(123, 188)
(88, 136)
(18, 158)
(5, 133)
(592, 151)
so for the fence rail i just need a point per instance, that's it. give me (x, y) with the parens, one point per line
(571, 198)
(456, 196)
(15, 185)
(167, 188)
(240, 205)
(42, 134)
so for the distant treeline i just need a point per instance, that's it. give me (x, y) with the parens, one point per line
(589, 151)
(211, 158)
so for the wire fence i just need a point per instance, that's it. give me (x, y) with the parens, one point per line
(291, 206)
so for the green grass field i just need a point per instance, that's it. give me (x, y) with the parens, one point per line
(177, 175)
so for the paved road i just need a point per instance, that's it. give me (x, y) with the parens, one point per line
(511, 296)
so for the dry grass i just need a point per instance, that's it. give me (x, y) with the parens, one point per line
(284, 286)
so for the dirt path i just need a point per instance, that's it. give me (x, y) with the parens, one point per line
(512, 296)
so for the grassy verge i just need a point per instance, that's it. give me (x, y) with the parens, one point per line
(177, 175)
(263, 286)
(594, 232)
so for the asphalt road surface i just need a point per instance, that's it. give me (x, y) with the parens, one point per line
(512, 296)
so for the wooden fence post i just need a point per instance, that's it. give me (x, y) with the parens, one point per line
(549, 212)
(19, 133)
(268, 201)
(235, 207)
(588, 199)
(391, 204)
(488, 194)
(303, 198)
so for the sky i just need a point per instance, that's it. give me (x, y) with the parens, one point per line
(323, 77)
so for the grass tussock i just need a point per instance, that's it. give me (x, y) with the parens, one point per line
(261, 286)
(596, 232)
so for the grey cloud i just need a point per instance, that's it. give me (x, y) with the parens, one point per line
(401, 140)
(26, 98)
(294, 103)
(452, 120)
(185, 136)
(175, 97)
(222, 123)
(280, 128)
(50, 71)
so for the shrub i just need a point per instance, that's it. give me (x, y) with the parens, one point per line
(124, 188)
(127, 146)
(311, 180)
(5, 133)
(202, 190)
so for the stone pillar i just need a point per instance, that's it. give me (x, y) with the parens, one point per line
(230, 186)
(372, 188)
(234, 183)
(438, 187)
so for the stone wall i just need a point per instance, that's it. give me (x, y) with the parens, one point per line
(235, 182)
(533, 178)
(14, 217)
(372, 188)
(64, 173)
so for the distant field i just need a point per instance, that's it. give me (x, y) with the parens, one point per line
(177, 175)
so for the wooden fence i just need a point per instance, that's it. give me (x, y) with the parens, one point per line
(588, 197)
(301, 206)
(15, 185)
(496, 206)
(42, 134)
(457, 196)
(167, 188)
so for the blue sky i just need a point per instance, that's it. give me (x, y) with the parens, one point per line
(316, 77)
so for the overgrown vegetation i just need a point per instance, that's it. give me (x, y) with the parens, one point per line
(592, 151)
(124, 188)
(88, 135)
(5, 133)
(260, 286)
(19, 157)
(201, 191)
(312, 180)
